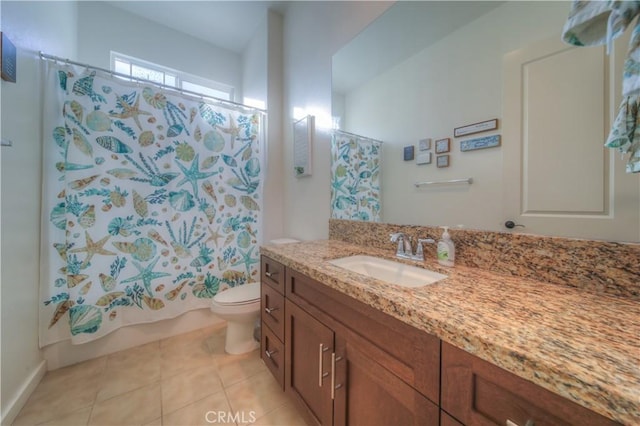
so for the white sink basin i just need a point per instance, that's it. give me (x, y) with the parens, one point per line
(388, 270)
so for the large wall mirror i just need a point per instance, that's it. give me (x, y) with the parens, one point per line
(425, 68)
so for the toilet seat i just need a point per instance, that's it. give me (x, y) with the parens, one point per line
(241, 295)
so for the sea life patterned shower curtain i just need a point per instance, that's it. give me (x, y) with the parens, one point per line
(355, 177)
(151, 203)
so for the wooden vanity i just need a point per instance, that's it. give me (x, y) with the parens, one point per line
(347, 362)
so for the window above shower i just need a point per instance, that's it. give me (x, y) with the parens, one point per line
(139, 68)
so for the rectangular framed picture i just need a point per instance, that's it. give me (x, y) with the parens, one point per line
(408, 153)
(424, 158)
(424, 144)
(442, 160)
(443, 145)
(483, 126)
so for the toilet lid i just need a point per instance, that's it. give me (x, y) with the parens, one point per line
(246, 293)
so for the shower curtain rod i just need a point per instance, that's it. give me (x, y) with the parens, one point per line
(357, 136)
(45, 56)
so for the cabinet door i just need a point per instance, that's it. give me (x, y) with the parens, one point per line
(309, 345)
(368, 394)
(476, 392)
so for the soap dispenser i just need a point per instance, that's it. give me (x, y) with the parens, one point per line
(446, 249)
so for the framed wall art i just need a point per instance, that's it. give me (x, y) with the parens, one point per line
(442, 160)
(483, 126)
(424, 144)
(443, 145)
(408, 153)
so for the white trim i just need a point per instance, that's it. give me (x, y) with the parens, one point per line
(23, 394)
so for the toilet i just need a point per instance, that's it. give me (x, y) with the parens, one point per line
(240, 307)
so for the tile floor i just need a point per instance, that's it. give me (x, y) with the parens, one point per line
(183, 380)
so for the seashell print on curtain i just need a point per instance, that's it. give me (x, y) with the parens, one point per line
(355, 178)
(151, 205)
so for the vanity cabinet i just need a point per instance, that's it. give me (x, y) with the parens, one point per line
(476, 392)
(345, 362)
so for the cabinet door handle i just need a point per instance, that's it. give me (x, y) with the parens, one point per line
(321, 375)
(528, 423)
(334, 359)
(271, 274)
(268, 353)
(270, 310)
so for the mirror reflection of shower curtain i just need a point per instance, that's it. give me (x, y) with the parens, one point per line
(355, 177)
(151, 203)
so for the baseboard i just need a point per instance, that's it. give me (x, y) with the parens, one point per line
(25, 391)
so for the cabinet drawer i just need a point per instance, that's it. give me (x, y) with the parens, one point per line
(477, 392)
(272, 310)
(272, 351)
(272, 273)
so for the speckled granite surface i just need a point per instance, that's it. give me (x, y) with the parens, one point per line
(579, 344)
(598, 266)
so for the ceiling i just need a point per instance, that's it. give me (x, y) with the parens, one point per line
(226, 24)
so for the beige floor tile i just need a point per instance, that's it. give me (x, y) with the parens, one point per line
(285, 415)
(259, 393)
(122, 381)
(76, 418)
(181, 358)
(236, 368)
(197, 413)
(155, 422)
(62, 392)
(137, 407)
(183, 389)
(180, 339)
(134, 357)
(84, 371)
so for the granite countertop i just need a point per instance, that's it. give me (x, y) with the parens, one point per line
(581, 345)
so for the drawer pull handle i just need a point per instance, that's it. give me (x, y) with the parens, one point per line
(334, 359)
(271, 274)
(268, 353)
(321, 375)
(528, 423)
(271, 310)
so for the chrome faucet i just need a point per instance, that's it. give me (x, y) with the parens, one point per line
(404, 243)
(404, 250)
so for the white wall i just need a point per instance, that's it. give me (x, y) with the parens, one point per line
(144, 39)
(31, 26)
(454, 82)
(313, 32)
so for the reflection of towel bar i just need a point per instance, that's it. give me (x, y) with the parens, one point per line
(444, 182)
(6, 142)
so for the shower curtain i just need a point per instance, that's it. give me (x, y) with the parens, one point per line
(151, 202)
(355, 177)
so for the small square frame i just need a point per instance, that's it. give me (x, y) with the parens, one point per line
(442, 160)
(424, 144)
(443, 145)
(408, 153)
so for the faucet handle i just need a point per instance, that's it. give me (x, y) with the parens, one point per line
(419, 250)
(395, 236)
